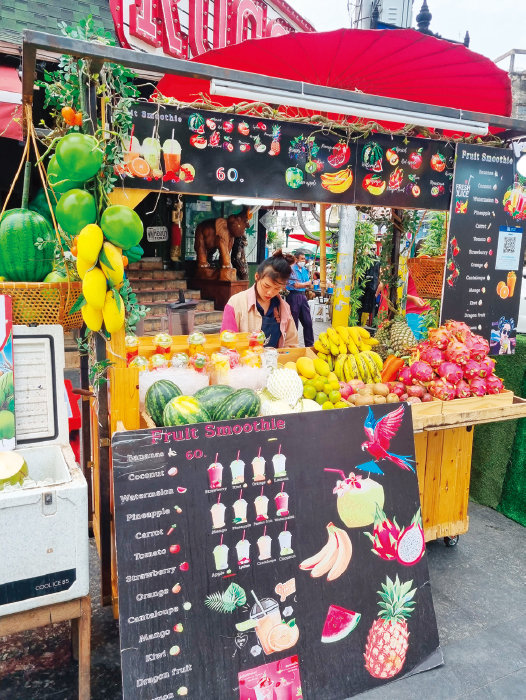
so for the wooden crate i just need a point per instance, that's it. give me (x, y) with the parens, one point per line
(476, 409)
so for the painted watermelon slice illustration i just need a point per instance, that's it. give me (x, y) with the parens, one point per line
(338, 624)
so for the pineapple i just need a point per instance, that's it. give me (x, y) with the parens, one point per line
(275, 147)
(402, 338)
(387, 640)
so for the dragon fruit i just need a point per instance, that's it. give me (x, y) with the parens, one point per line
(404, 375)
(432, 355)
(463, 390)
(458, 329)
(443, 390)
(457, 352)
(478, 386)
(451, 372)
(439, 337)
(411, 545)
(479, 348)
(487, 365)
(385, 535)
(421, 372)
(494, 384)
(471, 369)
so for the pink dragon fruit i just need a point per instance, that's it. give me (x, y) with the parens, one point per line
(478, 386)
(439, 337)
(432, 355)
(404, 375)
(471, 369)
(463, 390)
(494, 384)
(479, 348)
(421, 372)
(451, 372)
(458, 329)
(385, 535)
(487, 365)
(443, 390)
(457, 352)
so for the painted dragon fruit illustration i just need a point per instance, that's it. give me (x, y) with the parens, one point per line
(421, 372)
(450, 372)
(457, 352)
(411, 545)
(385, 535)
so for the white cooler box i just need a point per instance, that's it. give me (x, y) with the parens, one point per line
(44, 522)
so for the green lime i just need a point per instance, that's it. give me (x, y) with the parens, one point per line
(321, 398)
(327, 405)
(319, 384)
(335, 396)
(309, 392)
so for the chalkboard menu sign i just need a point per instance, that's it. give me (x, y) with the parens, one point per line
(258, 562)
(200, 152)
(485, 250)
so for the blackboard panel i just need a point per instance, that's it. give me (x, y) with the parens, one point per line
(485, 251)
(240, 156)
(225, 633)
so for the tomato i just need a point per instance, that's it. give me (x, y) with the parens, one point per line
(78, 119)
(122, 226)
(55, 175)
(79, 156)
(76, 209)
(68, 114)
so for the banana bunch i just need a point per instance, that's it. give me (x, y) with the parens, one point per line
(337, 182)
(332, 559)
(348, 352)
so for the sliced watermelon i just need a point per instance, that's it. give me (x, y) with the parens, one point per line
(338, 624)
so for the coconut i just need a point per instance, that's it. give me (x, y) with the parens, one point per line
(13, 469)
(357, 504)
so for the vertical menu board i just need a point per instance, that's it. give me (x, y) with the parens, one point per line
(485, 249)
(271, 558)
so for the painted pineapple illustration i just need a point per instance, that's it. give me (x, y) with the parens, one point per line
(275, 148)
(387, 640)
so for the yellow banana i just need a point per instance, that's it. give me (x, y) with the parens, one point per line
(376, 359)
(330, 362)
(347, 370)
(338, 366)
(353, 366)
(335, 349)
(342, 332)
(362, 368)
(324, 340)
(371, 341)
(352, 346)
(333, 336)
(364, 333)
(354, 334)
(343, 348)
(320, 347)
(322, 356)
(371, 366)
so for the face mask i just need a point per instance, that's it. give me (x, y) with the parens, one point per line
(301, 263)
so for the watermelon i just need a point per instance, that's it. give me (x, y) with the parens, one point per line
(243, 403)
(184, 410)
(157, 396)
(338, 624)
(211, 396)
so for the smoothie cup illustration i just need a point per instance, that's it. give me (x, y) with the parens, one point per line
(273, 634)
(172, 155)
(237, 467)
(285, 543)
(283, 689)
(264, 689)
(215, 474)
(218, 515)
(264, 546)
(240, 509)
(261, 505)
(131, 149)
(258, 465)
(151, 152)
(243, 551)
(220, 553)
(278, 462)
(282, 503)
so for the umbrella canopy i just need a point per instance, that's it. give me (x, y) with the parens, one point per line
(403, 64)
(304, 239)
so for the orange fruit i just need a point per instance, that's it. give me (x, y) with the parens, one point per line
(504, 292)
(500, 285)
(68, 114)
(282, 636)
(139, 167)
(77, 121)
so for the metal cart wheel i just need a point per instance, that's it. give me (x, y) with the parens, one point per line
(451, 541)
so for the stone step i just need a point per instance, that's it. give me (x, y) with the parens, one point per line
(151, 283)
(159, 305)
(146, 296)
(147, 264)
(136, 275)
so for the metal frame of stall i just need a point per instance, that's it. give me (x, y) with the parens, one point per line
(443, 440)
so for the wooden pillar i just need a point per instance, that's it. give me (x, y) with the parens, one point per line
(323, 248)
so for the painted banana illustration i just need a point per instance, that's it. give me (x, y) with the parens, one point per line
(332, 559)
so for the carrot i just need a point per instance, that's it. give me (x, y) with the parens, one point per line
(391, 367)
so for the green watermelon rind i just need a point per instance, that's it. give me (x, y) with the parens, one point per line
(157, 396)
(211, 396)
(172, 415)
(243, 403)
(334, 613)
(20, 259)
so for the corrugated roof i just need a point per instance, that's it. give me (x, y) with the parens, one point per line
(45, 15)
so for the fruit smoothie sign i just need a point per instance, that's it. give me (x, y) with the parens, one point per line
(485, 248)
(254, 563)
(199, 152)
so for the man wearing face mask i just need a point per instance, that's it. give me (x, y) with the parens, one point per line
(298, 283)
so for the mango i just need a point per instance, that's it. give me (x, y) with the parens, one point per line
(321, 367)
(112, 264)
(89, 243)
(290, 365)
(92, 317)
(305, 366)
(94, 287)
(83, 266)
(113, 311)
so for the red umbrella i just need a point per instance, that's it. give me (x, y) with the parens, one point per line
(304, 239)
(403, 64)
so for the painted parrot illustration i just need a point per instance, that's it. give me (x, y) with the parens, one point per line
(380, 433)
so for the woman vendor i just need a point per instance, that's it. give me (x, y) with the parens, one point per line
(262, 308)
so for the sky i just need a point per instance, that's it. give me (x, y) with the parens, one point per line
(495, 26)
